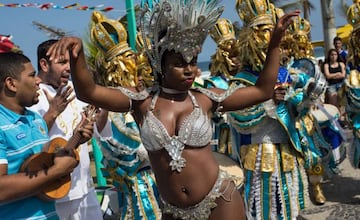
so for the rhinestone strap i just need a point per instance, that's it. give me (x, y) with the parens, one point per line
(219, 97)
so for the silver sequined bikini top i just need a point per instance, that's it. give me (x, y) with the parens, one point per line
(195, 131)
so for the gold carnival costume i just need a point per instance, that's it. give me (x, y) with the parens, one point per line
(125, 159)
(297, 49)
(221, 68)
(352, 82)
(263, 138)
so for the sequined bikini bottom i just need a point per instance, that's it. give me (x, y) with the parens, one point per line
(202, 210)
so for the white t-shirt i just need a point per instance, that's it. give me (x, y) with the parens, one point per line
(65, 124)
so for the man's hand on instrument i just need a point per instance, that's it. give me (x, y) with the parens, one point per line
(65, 161)
(85, 128)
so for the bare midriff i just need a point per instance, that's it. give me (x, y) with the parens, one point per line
(193, 183)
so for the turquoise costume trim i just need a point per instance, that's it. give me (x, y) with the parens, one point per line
(312, 154)
(295, 98)
(216, 82)
(315, 148)
(251, 116)
(302, 80)
(288, 124)
(142, 200)
(137, 191)
(356, 122)
(245, 77)
(270, 174)
(282, 110)
(221, 133)
(354, 154)
(353, 106)
(267, 194)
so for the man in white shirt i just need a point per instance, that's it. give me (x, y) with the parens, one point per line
(62, 113)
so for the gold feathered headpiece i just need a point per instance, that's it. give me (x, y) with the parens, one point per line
(223, 34)
(259, 20)
(353, 14)
(353, 17)
(299, 32)
(115, 63)
(109, 35)
(255, 12)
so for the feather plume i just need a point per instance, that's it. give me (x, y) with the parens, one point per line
(51, 32)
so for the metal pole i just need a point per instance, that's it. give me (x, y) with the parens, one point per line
(130, 15)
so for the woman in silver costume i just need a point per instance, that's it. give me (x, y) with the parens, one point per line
(173, 119)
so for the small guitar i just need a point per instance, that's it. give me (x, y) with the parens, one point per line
(43, 160)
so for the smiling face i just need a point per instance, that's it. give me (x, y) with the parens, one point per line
(178, 74)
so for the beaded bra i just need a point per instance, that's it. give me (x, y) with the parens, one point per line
(195, 130)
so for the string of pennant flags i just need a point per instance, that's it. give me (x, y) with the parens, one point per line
(47, 6)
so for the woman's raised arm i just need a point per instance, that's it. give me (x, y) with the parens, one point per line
(264, 87)
(85, 87)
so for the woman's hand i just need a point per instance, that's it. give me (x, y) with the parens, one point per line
(282, 24)
(279, 94)
(71, 44)
(338, 75)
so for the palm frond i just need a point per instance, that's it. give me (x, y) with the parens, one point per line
(344, 7)
(51, 32)
(295, 5)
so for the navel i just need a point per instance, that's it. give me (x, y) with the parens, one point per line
(184, 190)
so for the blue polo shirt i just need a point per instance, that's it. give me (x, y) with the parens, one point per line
(20, 137)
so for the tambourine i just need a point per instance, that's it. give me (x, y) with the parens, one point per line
(319, 84)
(305, 65)
(318, 87)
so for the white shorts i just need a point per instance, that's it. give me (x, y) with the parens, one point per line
(87, 207)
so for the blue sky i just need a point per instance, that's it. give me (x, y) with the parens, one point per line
(18, 21)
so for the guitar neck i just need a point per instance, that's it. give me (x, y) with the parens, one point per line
(74, 142)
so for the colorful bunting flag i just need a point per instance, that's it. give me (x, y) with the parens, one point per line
(50, 5)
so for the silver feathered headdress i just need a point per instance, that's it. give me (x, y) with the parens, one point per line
(179, 25)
